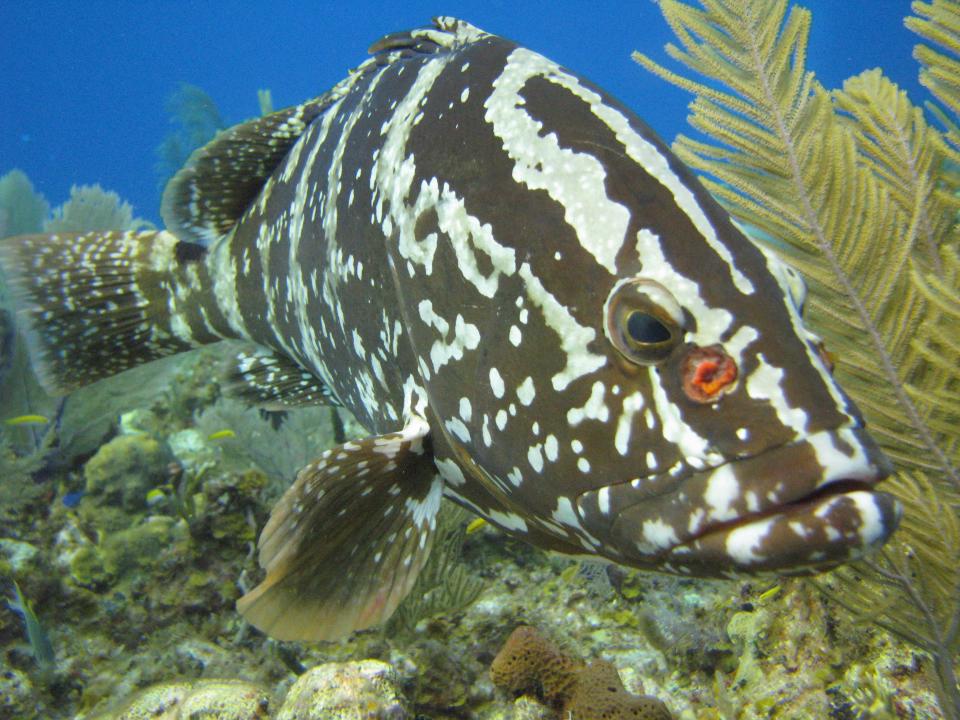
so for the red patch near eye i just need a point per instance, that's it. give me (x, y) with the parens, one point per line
(706, 373)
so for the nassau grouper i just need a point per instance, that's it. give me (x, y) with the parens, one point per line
(531, 305)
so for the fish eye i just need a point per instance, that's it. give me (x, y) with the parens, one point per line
(643, 321)
(645, 329)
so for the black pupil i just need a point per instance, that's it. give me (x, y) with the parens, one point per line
(645, 328)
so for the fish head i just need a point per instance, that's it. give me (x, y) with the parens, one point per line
(687, 420)
(751, 457)
(606, 352)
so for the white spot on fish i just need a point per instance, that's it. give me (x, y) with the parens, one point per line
(526, 392)
(535, 458)
(766, 383)
(576, 180)
(603, 500)
(551, 448)
(743, 542)
(723, 489)
(496, 383)
(657, 535)
(508, 521)
(631, 405)
(593, 409)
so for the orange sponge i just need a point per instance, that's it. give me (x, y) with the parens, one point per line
(529, 664)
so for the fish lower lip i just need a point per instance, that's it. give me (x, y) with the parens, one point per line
(835, 488)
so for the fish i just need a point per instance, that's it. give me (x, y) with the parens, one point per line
(475, 525)
(531, 305)
(7, 334)
(72, 499)
(40, 646)
(27, 420)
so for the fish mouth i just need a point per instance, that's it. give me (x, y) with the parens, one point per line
(838, 523)
(796, 509)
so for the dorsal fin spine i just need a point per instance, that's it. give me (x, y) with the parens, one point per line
(206, 198)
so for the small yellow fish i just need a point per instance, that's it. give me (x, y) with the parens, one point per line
(221, 434)
(475, 525)
(155, 497)
(27, 420)
(767, 594)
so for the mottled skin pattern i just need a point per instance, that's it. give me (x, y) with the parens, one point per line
(485, 255)
(409, 264)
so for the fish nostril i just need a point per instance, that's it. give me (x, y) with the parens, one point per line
(707, 372)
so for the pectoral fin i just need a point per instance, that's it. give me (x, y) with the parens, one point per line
(345, 543)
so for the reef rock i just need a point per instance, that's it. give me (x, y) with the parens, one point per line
(364, 690)
(124, 470)
(198, 700)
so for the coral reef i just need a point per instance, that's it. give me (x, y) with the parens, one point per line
(22, 210)
(365, 690)
(90, 208)
(196, 120)
(213, 699)
(125, 469)
(280, 444)
(531, 664)
(444, 585)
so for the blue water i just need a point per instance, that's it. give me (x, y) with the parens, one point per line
(85, 81)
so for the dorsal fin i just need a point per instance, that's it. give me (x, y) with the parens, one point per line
(444, 33)
(207, 197)
(204, 200)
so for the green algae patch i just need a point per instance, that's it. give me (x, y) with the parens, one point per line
(124, 470)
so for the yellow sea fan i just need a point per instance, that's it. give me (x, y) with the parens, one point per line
(858, 191)
(938, 22)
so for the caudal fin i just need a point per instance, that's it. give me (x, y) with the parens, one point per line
(94, 304)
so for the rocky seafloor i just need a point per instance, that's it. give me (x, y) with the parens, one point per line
(132, 542)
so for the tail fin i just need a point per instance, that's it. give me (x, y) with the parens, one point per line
(94, 304)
